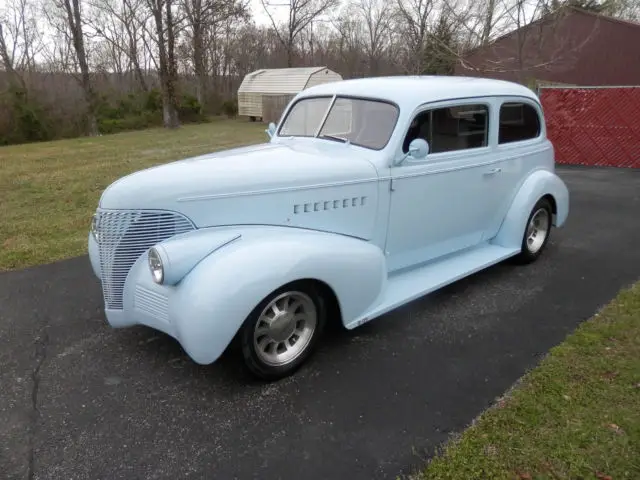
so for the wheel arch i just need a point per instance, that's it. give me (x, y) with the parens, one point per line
(220, 292)
(538, 185)
(333, 308)
(552, 201)
(328, 294)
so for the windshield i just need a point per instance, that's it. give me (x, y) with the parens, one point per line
(363, 122)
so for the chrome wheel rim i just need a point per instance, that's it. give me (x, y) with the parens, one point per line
(285, 328)
(537, 230)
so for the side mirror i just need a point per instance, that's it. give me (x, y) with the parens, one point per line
(418, 149)
(271, 129)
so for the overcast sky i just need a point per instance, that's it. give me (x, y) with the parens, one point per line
(259, 14)
(256, 9)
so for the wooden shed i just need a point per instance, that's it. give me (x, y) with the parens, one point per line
(277, 86)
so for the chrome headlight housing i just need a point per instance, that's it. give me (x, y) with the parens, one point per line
(95, 227)
(155, 265)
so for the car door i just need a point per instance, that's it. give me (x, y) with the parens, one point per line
(518, 141)
(442, 204)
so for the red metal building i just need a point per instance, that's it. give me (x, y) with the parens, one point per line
(570, 46)
(593, 119)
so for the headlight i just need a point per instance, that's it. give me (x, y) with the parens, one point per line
(94, 228)
(155, 265)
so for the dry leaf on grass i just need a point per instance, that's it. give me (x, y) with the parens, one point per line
(602, 476)
(490, 450)
(523, 476)
(616, 428)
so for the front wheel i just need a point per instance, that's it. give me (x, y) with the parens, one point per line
(536, 235)
(282, 331)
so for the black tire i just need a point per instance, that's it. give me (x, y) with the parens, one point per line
(529, 254)
(254, 360)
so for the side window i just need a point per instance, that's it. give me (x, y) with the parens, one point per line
(420, 128)
(452, 128)
(518, 121)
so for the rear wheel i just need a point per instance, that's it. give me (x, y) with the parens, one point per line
(282, 331)
(537, 232)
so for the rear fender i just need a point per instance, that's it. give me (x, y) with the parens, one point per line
(219, 293)
(538, 184)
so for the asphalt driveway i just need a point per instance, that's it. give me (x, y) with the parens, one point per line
(80, 400)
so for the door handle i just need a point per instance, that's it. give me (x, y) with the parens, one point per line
(493, 171)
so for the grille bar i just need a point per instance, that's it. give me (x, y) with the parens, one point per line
(124, 235)
(153, 303)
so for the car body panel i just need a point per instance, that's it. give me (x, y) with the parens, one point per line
(293, 185)
(538, 184)
(378, 228)
(204, 310)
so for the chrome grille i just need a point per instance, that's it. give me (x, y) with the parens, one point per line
(125, 235)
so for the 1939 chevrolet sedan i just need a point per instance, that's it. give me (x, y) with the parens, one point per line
(369, 194)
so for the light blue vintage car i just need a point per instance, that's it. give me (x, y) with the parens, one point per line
(369, 194)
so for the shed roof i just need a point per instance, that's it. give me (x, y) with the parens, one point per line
(278, 80)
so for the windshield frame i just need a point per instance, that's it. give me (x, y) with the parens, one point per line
(333, 98)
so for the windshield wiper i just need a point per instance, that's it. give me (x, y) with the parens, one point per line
(335, 137)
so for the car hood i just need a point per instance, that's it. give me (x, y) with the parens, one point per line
(300, 184)
(241, 171)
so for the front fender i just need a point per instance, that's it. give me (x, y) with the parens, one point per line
(181, 253)
(218, 294)
(538, 184)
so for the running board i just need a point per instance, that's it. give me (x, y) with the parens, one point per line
(407, 285)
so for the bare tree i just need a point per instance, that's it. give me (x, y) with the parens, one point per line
(372, 20)
(118, 23)
(415, 18)
(20, 39)
(300, 14)
(74, 22)
(251, 48)
(623, 9)
(204, 20)
(165, 28)
(627, 10)
(7, 61)
(349, 45)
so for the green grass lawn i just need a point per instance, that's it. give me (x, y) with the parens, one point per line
(576, 416)
(48, 191)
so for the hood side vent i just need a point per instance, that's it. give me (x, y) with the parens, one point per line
(329, 205)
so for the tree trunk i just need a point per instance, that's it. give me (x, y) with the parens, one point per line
(199, 64)
(140, 75)
(133, 55)
(75, 25)
(488, 22)
(14, 78)
(171, 109)
(166, 65)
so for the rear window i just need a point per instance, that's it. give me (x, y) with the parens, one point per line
(518, 122)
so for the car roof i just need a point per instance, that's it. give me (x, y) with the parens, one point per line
(411, 91)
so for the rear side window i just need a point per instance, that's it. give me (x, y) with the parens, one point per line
(518, 122)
